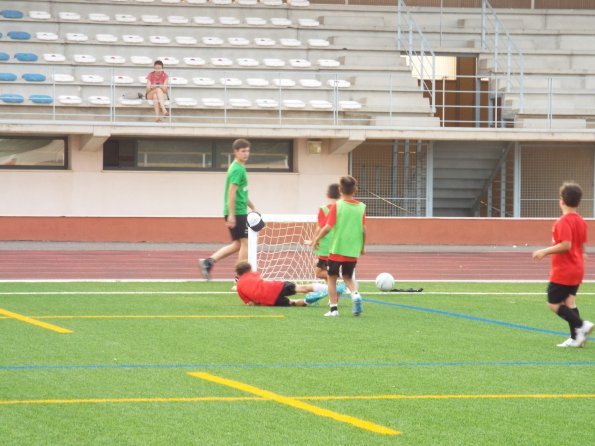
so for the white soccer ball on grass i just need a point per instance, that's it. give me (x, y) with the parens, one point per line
(385, 282)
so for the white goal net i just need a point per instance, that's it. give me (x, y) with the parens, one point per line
(278, 251)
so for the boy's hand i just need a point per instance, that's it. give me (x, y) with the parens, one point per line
(538, 255)
(231, 222)
(363, 250)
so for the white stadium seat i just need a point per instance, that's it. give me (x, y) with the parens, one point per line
(106, 38)
(212, 102)
(230, 81)
(84, 58)
(221, 61)
(203, 81)
(318, 42)
(129, 102)
(338, 83)
(200, 20)
(132, 38)
(293, 103)
(76, 37)
(194, 61)
(350, 105)
(142, 80)
(177, 19)
(298, 3)
(169, 60)
(186, 40)
(328, 63)
(125, 18)
(229, 20)
(145, 1)
(151, 18)
(122, 79)
(280, 21)
(115, 59)
(310, 83)
(186, 102)
(274, 62)
(98, 17)
(221, 2)
(247, 62)
(70, 16)
(46, 36)
(255, 21)
(40, 15)
(63, 78)
(238, 41)
(247, 2)
(92, 79)
(141, 60)
(52, 57)
(264, 41)
(290, 42)
(177, 80)
(212, 41)
(159, 39)
(285, 83)
(257, 82)
(240, 103)
(69, 99)
(300, 63)
(321, 104)
(267, 103)
(272, 2)
(197, 2)
(170, 1)
(99, 100)
(308, 22)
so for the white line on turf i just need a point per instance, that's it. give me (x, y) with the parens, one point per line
(199, 293)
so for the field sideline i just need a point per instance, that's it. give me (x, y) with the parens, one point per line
(187, 363)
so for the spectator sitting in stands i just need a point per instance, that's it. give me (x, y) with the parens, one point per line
(157, 89)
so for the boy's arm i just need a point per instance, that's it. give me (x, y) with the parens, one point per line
(560, 248)
(231, 205)
(324, 231)
(251, 205)
(364, 240)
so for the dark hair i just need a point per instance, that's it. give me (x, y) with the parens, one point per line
(348, 185)
(333, 191)
(571, 194)
(240, 144)
(158, 62)
(243, 268)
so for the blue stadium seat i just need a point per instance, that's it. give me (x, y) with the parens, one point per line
(19, 35)
(34, 77)
(11, 98)
(4, 56)
(41, 99)
(4, 77)
(26, 57)
(11, 14)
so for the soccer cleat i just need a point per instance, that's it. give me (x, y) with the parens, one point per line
(569, 343)
(586, 329)
(330, 313)
(206, 265)
(314, 297)
(356, 302)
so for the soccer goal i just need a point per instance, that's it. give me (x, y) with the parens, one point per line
(278, 251)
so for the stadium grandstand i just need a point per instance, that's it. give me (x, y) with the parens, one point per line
(448, 108)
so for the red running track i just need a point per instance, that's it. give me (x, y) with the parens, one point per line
(29, 264)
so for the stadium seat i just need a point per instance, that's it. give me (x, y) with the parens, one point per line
(125, 18)
(63, 78)
(8, 77)
(4, 57)
(186, 40)
(131, 102)
(18, 35)
(267, 103)
(186, 102)
(169, 60)
(98, 17)
(132, 38)
(310, 83)
(350, 105)
(221, 61)
(318, 42)
(122, 79)
(46, 36)
(53, 57)
(321, 104)
(84, 58)
(177, 80)
(230, 81)
(200, 20)
(113, 59)
(70, 16)
(308, 22)
(247, 2)
(264, 41)
(272, 2)
(76, 37)
(257, 82)
(92, 79)
(99, 100)
(221, 2)
(163, 40)
(298, 3)
(247, 62)
(26, 57)
(141, 60)
(170, 1)
(11, 14)
(197, 2)
(239, 103)
(11, 98)
(212, 41)
(290, 42)
(145, 1)
(68, 99)
(203, 81)
(142, 80)
(194, 61)
(300, 63)
(177, 19)
(255, 21)
(284, 82)
(280, 21)
(238, 41)
(40, 15)
(293, 103)
(328, 63)
(41, 99)
(34, 77)
(274, 62)
(229, 21)
(151, 19)
(338, 83)
(212, 102)
(106, 38)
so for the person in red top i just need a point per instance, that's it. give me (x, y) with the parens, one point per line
(254, 290)
(569, 236)
(156, 89)
(332, 195)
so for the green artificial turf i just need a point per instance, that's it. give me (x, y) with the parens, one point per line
(490, 340)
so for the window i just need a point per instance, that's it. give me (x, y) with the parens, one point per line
(36, 153)
(186, 154)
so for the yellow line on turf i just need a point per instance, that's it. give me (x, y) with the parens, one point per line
(301, 398)
(173, 316)
(292, 402)
(32, 321)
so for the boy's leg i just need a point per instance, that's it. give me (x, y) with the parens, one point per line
(297, 303)
(558, 298)
(333, 298)
(348, 270)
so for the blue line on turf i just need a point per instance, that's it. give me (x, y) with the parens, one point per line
(465, 316)
(297, 365)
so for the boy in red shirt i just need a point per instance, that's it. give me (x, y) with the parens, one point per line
(332, 195)
(254, 290)
(568, 268)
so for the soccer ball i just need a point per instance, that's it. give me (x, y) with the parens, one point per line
(385, 282)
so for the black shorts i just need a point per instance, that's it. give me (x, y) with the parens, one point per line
(287, 290)
(322, 264)
(557, 293)
(240, 230)
(346, 268)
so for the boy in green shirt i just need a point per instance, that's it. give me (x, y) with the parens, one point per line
(347, 219)
(235, 209)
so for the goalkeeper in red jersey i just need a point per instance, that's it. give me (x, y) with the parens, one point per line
(254, 290)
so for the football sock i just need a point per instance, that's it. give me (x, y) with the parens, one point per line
(334, 308)
(575, 309)
(571, 317)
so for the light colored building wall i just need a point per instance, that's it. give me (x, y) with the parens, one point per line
(87, 190)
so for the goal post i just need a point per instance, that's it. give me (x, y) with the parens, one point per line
(278, 251)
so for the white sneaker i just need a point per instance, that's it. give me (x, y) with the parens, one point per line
(331, 313)
(586, 330)
(234, 288)
(569, 343)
